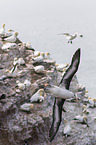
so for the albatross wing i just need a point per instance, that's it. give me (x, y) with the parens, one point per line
(58, 103)
(57, 117)
(67, 77)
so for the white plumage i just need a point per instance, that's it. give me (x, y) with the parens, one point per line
(8, 46)
(38, 96)
(27, 107)
(27, 83)
(39, 68)
(59, 92)
(12, 38)
(67, 129)
(2, 30)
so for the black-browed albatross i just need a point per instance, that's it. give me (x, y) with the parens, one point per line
(58, 103)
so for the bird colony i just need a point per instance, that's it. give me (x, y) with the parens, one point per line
(29, 78)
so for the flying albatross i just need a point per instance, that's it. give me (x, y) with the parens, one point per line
(61, 94)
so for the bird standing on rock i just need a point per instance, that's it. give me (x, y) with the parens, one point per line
(61, 96)
(12, 38)
(2, 30)
(67, 128)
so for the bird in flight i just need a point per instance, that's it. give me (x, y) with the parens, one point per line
(59, 101)
(71, 37)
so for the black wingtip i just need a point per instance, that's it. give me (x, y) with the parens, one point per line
(76, 56)
(78, 51)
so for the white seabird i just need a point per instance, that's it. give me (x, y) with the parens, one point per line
(71, 37)
(38, 96)
(39, 58)
(10, 32)
(29, 46)
(82, 119)
(8, 45)
(20, 85)
(36, 53)
(12, 38)
(92, 102)
(47, 55)
(27, 83)
(26, 107)
(39, 68)
(60, 67)
(85, 109)
(67, 128)
(19, 61)
(2, 30)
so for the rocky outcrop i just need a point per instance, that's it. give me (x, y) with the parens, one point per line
(18, 126)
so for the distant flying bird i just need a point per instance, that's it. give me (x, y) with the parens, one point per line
(58, 103)
(71, 37)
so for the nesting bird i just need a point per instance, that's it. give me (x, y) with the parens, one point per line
(10, 32)
(39, 58)
(12, 38)
(20, 85)
(36, 53)
(26, 107)
(19, 61)
(92, 101)
(27, 83)
(60, 67)
(29, 46)
(39, 69)
(67, 128)
(85, 110)
(38, 96)
(8, 45)
(47, 55)
(82, 119)
(2, 30)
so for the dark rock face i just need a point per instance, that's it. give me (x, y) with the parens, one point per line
(19, 127)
